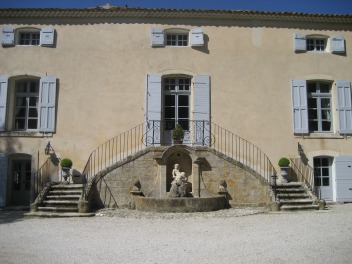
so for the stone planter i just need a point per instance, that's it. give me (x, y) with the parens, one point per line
(65, 172)
(284, 174)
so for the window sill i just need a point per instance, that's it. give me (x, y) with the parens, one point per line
(320, 136)
(32, 134)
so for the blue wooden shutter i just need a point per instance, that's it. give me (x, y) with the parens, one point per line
(3, 100)
(153, 108)
(3, 179)
(157, 37)
(300, 43)
(299, 106)
(47, 36)
(47, 103)
(8, 37)
(197, 37)
(344, 106)
(337, 44)
(201, 109)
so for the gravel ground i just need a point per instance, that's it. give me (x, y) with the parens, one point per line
(227, 236)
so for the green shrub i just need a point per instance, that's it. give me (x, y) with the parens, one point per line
(284, 162)
(66, 163)
(178, 133)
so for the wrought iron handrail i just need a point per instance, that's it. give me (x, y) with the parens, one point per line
(154, 133)
(43, 176)
(241, 150)
(304, 172)
(112, 151)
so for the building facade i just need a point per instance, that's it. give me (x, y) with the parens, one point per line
(79, 77)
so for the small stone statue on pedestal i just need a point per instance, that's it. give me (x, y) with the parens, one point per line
(179, 184)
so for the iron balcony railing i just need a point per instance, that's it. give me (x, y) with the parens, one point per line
(158, 133)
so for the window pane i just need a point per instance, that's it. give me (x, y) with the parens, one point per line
(324, 171)
(313, 126)
(325, 162)
(34, 87)
(312, 88)
(312, 102)
(310, 44)
(169, 112)
(317, 162)
(169, 100)
(20, 112)
(183, 100)
(20, 124)
(324, 88)
(326, 114)
(313, 114)
(33, 101)
(33, 112)
(325, 102)
(20, 102)
(326, 181)
(183, 112)
(32, 123)
(21, 87)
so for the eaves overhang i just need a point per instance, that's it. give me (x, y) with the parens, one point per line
(155, 13)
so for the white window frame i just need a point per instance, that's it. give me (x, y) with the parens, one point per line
(177, 92)
(30, 31)
(316, 39)
(27, 95)
(177, 33)
(319, 109)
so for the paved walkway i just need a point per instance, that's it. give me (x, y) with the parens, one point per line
(230, 236)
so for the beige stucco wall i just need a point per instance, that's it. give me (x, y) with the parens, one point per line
(101, 67)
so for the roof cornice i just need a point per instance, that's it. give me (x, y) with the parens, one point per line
(125, 12)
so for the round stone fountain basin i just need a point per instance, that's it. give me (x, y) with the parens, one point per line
(180, 205)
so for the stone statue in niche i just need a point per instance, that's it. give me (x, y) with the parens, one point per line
(179, 184)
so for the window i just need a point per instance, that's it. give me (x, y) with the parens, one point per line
(176, 102)
(322, 171)
(312, 106)
(176, 39)
(29, 38)
(319, 43)
(168, 100)
(26, 105)
(319, 107)
(316, 44)
(31, 105)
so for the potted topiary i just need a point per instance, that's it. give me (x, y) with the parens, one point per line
(284, 164)
(66, 165)
(178, 134)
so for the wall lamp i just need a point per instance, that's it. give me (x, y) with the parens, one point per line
(48, 148)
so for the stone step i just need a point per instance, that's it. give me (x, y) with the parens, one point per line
(67, 186)
(293, 190)
(52, 214)
(65, 192)
(297, 201)
(61, 202)
(63, 197)
(289, 185)
(71, 209)
(299, 207)
(292, 195)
